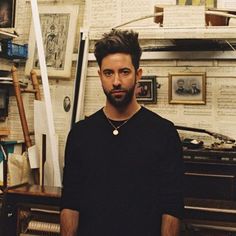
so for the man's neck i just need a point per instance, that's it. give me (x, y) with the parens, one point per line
(122, 113)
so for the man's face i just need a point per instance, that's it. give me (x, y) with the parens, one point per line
(180, 84)
(118, 78)
(67, 101)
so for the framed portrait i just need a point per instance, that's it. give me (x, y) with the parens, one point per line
(187, 88)
(146, 91)
(66, 103)
(58, 26)
(7, 13)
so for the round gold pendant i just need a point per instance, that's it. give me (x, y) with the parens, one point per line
(115, 132)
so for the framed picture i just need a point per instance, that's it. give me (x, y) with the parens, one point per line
(4, 100)
(187, 88)
(58, 25)
(207, 3)
(7, 13)
(146, 91)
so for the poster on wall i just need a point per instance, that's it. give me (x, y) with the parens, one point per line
(58, 25)
(7, 13)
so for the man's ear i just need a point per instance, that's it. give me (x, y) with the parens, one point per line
(99, 73)
(139, 74)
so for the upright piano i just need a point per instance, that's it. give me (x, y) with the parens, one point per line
(210, 190)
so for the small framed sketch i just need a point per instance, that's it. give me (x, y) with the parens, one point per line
(207, 3)
(187, 88)
(58, 26)
(146, 91)
(7, 13)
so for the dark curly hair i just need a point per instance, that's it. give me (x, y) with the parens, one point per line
(118, 41)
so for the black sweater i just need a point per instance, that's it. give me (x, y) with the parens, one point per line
(121, 185)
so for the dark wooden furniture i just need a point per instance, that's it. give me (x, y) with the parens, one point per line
(210, 189)
(210, 195)
(29, 202)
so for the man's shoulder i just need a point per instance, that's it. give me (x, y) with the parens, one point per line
(89, 120)
(153, 117)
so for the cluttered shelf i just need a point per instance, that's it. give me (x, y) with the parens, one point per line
(212, 154)
(6, 34)
(208, 32)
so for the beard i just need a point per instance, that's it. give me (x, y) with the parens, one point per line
(120, 101)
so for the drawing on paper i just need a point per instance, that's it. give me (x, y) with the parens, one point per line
(54, 33)
(207, 3)
(58, 27)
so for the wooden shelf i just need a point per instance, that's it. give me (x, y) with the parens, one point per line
(4, 132)
(8, 81)
(4, 34)
(210, 32)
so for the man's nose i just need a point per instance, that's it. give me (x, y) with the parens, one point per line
(116, 80)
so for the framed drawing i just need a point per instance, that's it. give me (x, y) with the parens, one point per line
(58, 25)
(7, 13)
(146, 91)
(207, 3)
(187, 88)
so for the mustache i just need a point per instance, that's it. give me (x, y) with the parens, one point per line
(118, 88)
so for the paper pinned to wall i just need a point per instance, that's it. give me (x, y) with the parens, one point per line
(165, 2)
(227, 4)
(184, 16)
(98, 13)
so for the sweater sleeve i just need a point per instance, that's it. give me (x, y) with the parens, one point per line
(71, 184)
(171, 197)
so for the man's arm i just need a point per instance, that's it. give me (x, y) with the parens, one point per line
(69, 222)
(170, 225)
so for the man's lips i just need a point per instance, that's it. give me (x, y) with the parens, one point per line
(117, 92)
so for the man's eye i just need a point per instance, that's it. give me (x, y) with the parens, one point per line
(125, 72)
(108, 73)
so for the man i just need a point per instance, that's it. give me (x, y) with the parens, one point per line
(66, 103)
(194, 90)
(180, 87)
(123, 164)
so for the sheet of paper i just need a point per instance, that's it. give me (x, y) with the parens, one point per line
(62, 117)
(108, 14)
(33, 157)
(164, 2)
(228, 4)
(184, 16)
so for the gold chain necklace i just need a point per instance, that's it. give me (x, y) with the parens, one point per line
(115, 131)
